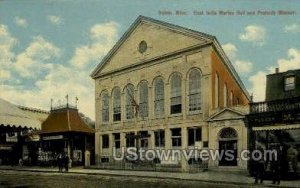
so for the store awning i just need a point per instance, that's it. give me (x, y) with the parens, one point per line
(276, 127)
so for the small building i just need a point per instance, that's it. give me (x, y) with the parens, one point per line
(14, 125)
(275, 122)
(65, 132)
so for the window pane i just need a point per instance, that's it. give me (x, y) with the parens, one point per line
(116, 104)
(175, 94)
(105, 106)
(130, 101)
(143, 106)
(159, 97)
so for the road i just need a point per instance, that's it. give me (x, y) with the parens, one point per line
(11, 178)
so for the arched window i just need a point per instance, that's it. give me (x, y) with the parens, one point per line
(130, 101)
(143, 105)
(159, 97)
(216, 91)
(228, 133)
(175, 94)
(194, 90)
(105, 106)
(116, 104)
(231, 98)
(225, 95)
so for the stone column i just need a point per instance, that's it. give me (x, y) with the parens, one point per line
(123, 106)
(184, 97)
(150, 103)
(151, 139)
(184, 146)
(167, 99)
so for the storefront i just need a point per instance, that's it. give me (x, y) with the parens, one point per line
(64, 132)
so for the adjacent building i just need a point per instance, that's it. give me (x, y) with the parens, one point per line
(163, 86)
(65, 132)
(15, 124)
(275, 122)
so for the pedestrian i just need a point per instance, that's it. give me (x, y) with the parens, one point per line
(259, 166)
(66, 162)
(259, 170)
(276, 167)
(60, 162)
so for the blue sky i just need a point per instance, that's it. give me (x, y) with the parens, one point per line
(49, 48)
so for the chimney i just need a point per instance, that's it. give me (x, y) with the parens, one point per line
(276, 70)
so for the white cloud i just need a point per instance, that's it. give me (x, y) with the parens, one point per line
(292, 62)
(35, 58)
(56, 20)
(230, 49)
(294, 28)
(243, 67)
(58, 79)
(255, 34)
(258, 89)
(7, 42)
(22, 22)
(103, 36)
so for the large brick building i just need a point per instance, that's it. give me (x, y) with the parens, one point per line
(173, 85)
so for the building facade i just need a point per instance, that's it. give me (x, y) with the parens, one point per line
(275, 122)
(163, 86)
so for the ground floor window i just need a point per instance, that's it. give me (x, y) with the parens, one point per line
(117, 140)
(130, 139)
(105, 141)
(104, 159)
(144, 139)
(194, 135)
(159, 138)
(176, 137)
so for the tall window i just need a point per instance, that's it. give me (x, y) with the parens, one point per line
(105, 106)
(231, 98)
(158, 97)
(216, 91)
(143, 106)
(289, 83)
(117, 140)
(130, 101)
(116, 104)
(159, 138)
(176, 137)
(105, 141)
(225, 95)
(194, 135)
(144, 139)
(130, 139)
(175, 94)
(194, 90)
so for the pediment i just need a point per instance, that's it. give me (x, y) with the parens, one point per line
(158, 38)
(227, 114)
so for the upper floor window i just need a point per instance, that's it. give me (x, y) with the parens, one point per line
(143, 105)
(175, 94)
(158, 97)
(116, 104)
(130, 101)
(289, 83)
(105, 106)
(194, 90)
(216, 91)
(225, 98)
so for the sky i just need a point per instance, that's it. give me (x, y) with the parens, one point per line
(49, 48)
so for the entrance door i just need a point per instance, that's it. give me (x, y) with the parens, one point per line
(228, 147)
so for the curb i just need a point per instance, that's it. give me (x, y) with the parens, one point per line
(146, 176)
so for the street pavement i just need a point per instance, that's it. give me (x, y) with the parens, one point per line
(210, 178)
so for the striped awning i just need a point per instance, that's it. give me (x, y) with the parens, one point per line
(276, 127)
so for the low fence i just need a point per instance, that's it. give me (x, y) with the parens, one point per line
(151, 166)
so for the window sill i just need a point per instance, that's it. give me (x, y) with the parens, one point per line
(194, 112)
(175, 115)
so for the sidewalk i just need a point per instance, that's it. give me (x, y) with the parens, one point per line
(222, 177)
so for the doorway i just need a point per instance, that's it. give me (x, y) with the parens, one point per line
(228, 147)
